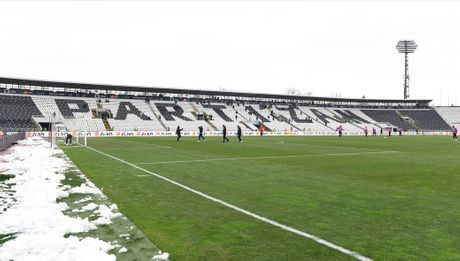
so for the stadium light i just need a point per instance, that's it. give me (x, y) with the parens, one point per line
(406, 47)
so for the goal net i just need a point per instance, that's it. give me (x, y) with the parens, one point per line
(67, 132)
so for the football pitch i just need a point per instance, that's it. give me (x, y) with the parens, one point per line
(285, 198)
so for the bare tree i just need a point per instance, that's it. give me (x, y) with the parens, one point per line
(336, 95)
(295, 91)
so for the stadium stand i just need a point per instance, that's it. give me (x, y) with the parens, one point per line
(425, 119)
(450, 114)
(16, 113)
(131, 115)
(102, 107)
(389, 118)
(72, 112)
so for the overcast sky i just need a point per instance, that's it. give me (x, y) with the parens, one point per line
(319, 47)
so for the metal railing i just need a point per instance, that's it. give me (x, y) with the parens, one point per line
(6, 141)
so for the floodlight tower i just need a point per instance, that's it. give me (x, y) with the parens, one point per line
(406, 47)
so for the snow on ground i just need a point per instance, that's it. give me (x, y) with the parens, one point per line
(31, 213)
(161, 256)
(86, 188)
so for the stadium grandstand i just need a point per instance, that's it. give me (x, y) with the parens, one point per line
(31, 105)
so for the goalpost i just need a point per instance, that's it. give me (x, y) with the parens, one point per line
(58, 130)
(83, 127)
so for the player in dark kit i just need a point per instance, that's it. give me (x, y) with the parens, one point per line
(454, 133)
(238, 133)
(224, 134)
(178, 133)
(200, 136)
(68, 139)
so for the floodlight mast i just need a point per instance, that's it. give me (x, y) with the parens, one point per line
(406, 47)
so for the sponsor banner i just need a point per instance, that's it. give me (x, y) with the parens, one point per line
(206, 133)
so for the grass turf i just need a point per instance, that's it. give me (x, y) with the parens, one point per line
(390, 206)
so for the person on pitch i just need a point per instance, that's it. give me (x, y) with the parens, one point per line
(340, 130)
(261, 129)
(238, 133)
(454, 133)
(200, 136)
(224, 134)
(179, 133)
(68, 139)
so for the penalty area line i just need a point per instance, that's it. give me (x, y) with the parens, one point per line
(244, 211)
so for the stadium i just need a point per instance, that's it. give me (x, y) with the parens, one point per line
(94, 171)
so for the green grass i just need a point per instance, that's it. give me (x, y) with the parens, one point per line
(388, 206)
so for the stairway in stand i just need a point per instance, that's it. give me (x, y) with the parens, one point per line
(195, 113)
(157, 116)
(93, 111)
(106, 124)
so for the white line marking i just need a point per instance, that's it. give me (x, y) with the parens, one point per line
(70, 147)
(261, 218)
(268, 157)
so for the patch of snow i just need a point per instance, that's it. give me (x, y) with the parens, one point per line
(161, 256)
(66, 187)
(86, 188)
(89, 207)
(55, 247)
(106, 214)
(123, 250)
(35, 217)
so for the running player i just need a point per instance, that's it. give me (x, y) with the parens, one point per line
(389, 132)
(374, 132)
(200, 136)
(224, 134)
(238, 133)
(179, 133)
(365, 131)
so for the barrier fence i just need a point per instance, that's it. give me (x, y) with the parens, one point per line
(6, 141)
(208, 133)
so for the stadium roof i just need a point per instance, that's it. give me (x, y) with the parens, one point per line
(162, 90)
